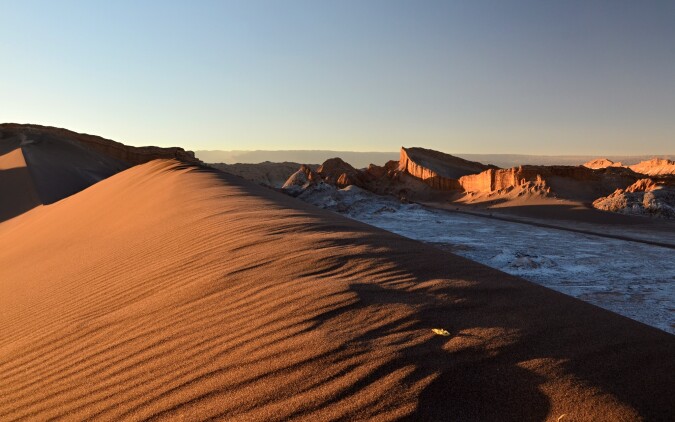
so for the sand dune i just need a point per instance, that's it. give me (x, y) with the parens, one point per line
(168, 292)
(40, 170)
(42, 164)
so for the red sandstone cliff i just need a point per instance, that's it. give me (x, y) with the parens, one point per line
(500, 179)
(438, 170)
(572, 182)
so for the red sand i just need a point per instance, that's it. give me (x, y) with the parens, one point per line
(165, 292)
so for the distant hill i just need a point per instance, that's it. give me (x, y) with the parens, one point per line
(362, 159)
(265, 173)
(357, 159)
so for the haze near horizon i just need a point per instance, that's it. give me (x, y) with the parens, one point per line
(591, 78)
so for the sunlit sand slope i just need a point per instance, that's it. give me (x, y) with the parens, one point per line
(166, 292)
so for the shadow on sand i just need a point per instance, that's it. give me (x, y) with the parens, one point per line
(516, 350)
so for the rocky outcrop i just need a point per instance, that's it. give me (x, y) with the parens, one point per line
(571, 182)
(601, 163)
(655, 167)
(439, 170)
(643, 185)
(302, 179)
(502, 179)
(129, 154)
(645, 197)
(422, 174)
(382, 180)
(339, 173)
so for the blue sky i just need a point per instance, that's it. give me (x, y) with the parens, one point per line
(540, 77)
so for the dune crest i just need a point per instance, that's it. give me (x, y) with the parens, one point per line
(40, 165)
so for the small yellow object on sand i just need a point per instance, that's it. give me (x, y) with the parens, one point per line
(440, 331)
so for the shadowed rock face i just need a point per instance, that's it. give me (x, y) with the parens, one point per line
(337, 172)
(130, 154)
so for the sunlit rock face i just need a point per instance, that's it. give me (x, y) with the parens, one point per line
(644, 197)
(439, 170)
(601, 163)
(500, 179)
(655, 167)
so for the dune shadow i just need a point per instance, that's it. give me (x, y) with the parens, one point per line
(16, 196)
(471, 384)
(500, 327)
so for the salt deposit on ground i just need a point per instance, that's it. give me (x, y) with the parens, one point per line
(630, 278)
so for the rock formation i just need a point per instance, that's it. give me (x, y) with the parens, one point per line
(492, 180)
(601, 163)
(130, 154)
(423, 174)
(337, 172)
(571, 182)
(383, 180)
(301, 180)
(439, 170)
(655, 167)
(644, 197)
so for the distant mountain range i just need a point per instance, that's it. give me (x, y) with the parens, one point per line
(362, 159)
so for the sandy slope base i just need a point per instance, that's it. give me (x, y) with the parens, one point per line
(166, 292)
